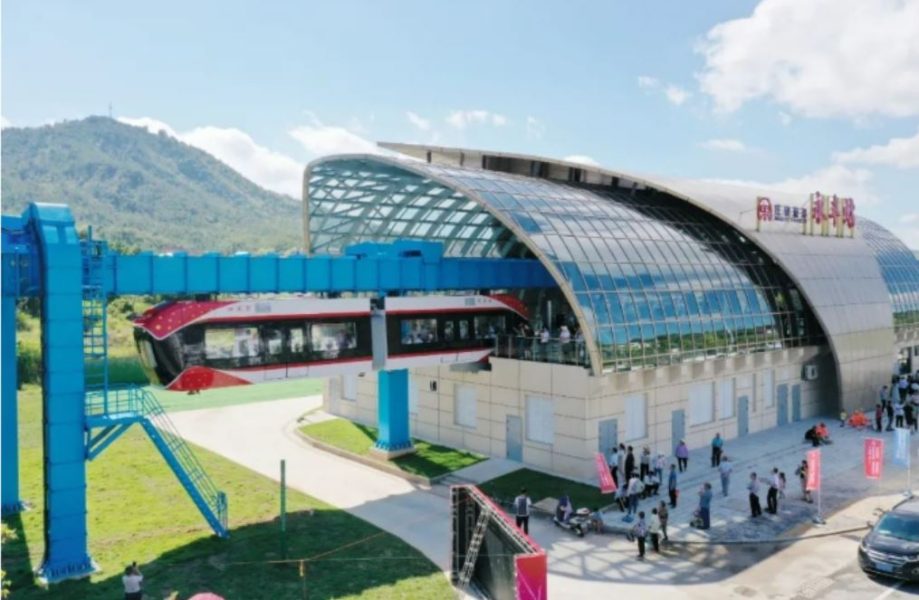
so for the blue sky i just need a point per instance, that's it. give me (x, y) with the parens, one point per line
(804, 95)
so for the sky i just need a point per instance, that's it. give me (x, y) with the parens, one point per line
(802, 95)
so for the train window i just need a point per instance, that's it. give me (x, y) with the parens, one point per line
(418, 331)
(273, 341)
(331, 338)
(448, 331)
(464, 329)
(489, 326)
(297, 345)
(224, 342)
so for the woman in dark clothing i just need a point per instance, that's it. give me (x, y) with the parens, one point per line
(629, 464)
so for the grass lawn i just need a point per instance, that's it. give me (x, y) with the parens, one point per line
(540, 485)
(138, 511)
(429, 460)
(240, 394)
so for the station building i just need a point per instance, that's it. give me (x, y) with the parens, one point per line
(693, 307)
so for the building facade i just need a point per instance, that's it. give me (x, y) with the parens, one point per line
(683, 308)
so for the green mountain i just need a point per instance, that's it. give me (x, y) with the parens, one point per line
(144, 190)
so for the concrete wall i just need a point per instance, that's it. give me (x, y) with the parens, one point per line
(581, 402)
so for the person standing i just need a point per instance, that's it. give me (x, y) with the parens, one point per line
(682, 456)
(621, 472)
(884, 397)
(654, 529)
(629, 464)
(890, 414)
(659, 464)
(639, 531)
(672, 489)
(635, 488)
(717, 445)
(725, 469)
(898, 413)
(753, 489)
(772, 496)
(522, 504)
(705, 504)
(645, 462)
(879, 417)
(801, 471)
(663, 514)
(133, 582)
(613, 462)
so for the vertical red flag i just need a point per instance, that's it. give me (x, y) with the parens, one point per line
(874, 457)
(607, 485)
(813, 471)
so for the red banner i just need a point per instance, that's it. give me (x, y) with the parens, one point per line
(607, 485)
(874, 457)
(532, 577)
(813, 471)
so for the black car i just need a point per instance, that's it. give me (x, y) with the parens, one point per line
(891, 548)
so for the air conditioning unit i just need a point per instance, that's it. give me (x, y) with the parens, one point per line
(810, 372)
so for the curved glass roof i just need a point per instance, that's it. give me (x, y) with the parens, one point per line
(653, 279)
(900, 269)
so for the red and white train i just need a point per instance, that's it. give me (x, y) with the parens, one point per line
(194, 345)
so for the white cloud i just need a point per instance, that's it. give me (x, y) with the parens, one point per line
(910, 218)
(321, 139)
(676, 95)
(902, 153)
(267, 168)
(582, 159)
(647, 82)
(726, 145)
(908, 233)
(819, 58)
(460, 119)
(834, 179)
(419, 122)
(535, 128)
(4, 122)
(784, 118)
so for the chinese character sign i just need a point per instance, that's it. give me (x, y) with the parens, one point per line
(813, 471)
(874, 458)
(607, 485)
(763, 210)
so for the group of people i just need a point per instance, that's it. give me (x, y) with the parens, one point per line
(899, 402)
(536, 345)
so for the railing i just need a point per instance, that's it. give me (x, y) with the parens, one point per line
(553, 350)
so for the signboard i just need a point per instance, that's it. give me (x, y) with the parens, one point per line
(607, 485)
(532, 577)
(874, 458)
(813, 471)
(822, 214)
(901, 446)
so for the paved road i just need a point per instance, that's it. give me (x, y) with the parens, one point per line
(259, 435)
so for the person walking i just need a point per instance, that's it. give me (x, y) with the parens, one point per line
(772, 496)
(613, 462)
(898, 413)
(660, 463)
(705, 504)
(645, 462)
(753, 489)
(654, 530)
(717, 446)
(522, 504)
(133, 581)
(672, 489)
(879, 417)
(635, 488)
(663, 514)
(682, 456)
(620, 471)
(801, 472)
(639, 531)
(725, 469)
(629, 464)
(890, 414)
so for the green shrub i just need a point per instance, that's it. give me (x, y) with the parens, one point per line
(28, 364)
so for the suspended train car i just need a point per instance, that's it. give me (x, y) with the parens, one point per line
(195, 345)
(424, 331)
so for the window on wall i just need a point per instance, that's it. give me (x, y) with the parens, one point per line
(540, 419)
(636, 417)
(464, 406)
(349, 387)
(768, 388)
(701, 403)
(726, 398)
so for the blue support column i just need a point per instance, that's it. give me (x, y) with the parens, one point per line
(63, 388)
(394, 437)
(9, 416)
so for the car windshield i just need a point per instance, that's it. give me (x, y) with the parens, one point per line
(899, 526)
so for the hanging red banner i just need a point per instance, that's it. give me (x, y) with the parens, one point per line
(813, 471)
(607, 485)
(874, 458)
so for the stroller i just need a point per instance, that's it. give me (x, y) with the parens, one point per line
(696, 520)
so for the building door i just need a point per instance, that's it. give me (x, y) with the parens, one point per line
(514, 435)
(782, 399)
(677, 427)
(796, 402)
(743, 407)
(608, 436)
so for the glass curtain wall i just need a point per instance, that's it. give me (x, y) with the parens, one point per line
(900, 269)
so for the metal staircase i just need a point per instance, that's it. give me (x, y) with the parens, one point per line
(475, 544)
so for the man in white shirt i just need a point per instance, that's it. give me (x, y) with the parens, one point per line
(132, 580)
(522, 504)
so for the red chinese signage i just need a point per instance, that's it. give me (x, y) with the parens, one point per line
(607, 485)
(874, 458)
(813, 471)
